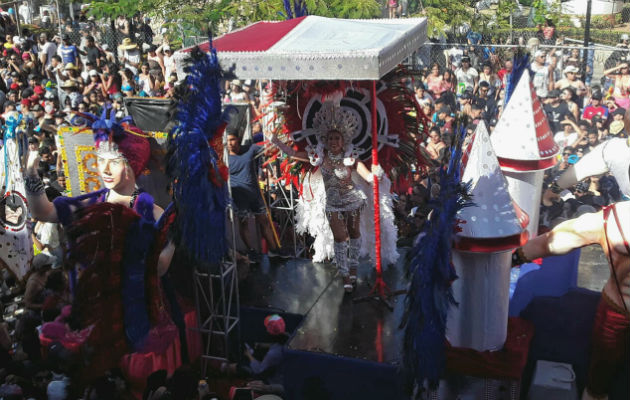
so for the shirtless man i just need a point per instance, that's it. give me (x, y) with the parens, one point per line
(611, 230)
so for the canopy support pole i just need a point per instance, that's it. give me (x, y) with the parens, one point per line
(379, 285)
(380, 292)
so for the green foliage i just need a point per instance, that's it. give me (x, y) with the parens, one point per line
(601, 36)
(445, 15)
(114, 8)
(182, 17)
(504, 10)
(605, 21)
(551, 9)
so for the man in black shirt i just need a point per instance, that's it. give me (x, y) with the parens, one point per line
(556, 111)
(92, 52)
(246, 196)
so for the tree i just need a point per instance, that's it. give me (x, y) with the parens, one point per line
(218, 14)
(452, 16)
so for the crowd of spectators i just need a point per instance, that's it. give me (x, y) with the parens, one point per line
(50, 79)
(472, 81)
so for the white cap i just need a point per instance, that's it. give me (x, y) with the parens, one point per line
(570, 68)
(166, 47)
(93, 72)
(624, 36)
(539, 53)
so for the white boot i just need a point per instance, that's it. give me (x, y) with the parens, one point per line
(353, 258)
(341, 259)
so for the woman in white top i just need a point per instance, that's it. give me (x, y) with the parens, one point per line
(146, 83)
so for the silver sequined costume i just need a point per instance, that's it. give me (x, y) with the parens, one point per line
(341, 193)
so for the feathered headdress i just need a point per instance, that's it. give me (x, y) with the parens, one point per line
(332, 117)
(194, 162)
(119, 139)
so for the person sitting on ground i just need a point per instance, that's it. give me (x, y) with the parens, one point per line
(267, 372)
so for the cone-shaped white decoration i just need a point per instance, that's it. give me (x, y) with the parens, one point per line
(482, 254)
(525, 147)
(522, 138)
(493, 215)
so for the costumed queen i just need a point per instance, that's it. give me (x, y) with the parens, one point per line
(343, 200)
(117, 251)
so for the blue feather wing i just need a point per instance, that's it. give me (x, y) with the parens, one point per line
(199, 201)
(431, 274)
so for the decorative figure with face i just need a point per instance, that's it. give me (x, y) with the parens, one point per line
(117, 249)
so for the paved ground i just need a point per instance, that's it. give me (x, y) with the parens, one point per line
(593, 270)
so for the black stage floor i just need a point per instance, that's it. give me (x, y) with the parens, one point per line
(333, 323)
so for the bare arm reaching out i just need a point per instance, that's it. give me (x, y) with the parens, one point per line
(41, 208)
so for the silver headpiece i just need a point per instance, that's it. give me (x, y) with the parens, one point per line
(332, 117)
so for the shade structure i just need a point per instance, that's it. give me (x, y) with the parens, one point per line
(318, 48)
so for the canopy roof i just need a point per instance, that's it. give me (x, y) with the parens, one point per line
(318, 48)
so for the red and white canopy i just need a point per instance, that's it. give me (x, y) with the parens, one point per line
(318, 48)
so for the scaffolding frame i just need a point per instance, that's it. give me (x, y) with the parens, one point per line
(285, 204)
(217, 302)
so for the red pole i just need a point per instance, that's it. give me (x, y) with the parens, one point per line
(379, 285)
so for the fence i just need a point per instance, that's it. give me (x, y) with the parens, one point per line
(598, 57)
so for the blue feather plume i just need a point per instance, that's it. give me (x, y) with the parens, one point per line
(200, 201)
(431, 274)
(288, 8)
(296, 10)
(520, 63)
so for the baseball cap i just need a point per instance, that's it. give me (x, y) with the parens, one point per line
(93, 72)
(540, 53)
(553, 94)
(38, 90)
(597, 95)
(14, 86)
(466, 59)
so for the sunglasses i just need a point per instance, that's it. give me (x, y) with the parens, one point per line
(566, 154)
